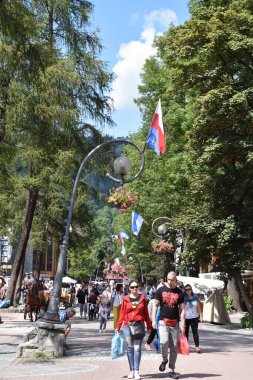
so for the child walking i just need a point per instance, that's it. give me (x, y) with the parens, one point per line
(103, 313)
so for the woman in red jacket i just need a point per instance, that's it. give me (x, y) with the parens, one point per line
(134, 308)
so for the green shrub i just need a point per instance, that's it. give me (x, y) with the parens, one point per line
(247, 321)
(228, 302)
(40, 355)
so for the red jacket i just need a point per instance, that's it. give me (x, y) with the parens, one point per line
(128, 314)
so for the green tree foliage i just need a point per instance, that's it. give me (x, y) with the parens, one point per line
(43, 112)
(211, 55)
(203, 75)
(93, 247)
(164, 182)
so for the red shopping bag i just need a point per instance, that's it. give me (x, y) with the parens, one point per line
(183, 345)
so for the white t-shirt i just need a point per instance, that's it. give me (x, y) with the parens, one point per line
(106, 296)
(117, 299)
(103, 312)
(191, 308)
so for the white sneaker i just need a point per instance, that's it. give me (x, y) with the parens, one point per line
(100, 331)
(131, 375)
(136, 375)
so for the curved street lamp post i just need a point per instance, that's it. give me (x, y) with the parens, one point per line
(131, 258)
(122, 166)
(98, 267)
(164, 230)
(108, 249)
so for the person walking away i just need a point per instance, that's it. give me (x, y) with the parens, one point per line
(161, 282)
(125, 290)
(22, 295)
(92, 306)
(171, 301)
(134, 309)
(106, 297)
(103, 313)
(193, 313)
(153, 331)
(72, 291)
(81, 296)
(142, 289)
(117, 298)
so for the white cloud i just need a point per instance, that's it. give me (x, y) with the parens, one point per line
(133, 55)
(162, 16)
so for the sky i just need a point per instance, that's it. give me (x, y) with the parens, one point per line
(127, 29)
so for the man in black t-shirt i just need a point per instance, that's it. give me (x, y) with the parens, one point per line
(171, 301)
(82, 296)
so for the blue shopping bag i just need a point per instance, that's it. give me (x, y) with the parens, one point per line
(117, 346)
(157, 343)
(4, 304)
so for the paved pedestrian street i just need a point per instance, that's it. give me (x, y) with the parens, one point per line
(227, 353)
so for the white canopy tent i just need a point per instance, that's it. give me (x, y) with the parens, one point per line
(68, 280)
(201, 285)
(214, 309)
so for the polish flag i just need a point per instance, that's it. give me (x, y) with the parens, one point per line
(156, 137)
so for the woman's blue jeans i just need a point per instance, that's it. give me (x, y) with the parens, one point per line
(133, 350)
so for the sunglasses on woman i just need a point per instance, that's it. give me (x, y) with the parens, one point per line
(133, 287)
(187, 289)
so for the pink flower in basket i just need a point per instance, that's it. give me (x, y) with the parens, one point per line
(123, 198)
(162, 247)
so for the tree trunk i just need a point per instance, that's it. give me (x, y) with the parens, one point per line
(19, 284)
(238, 279)
(234, 294)
(37, 265)
(31, 202)
(3, 107)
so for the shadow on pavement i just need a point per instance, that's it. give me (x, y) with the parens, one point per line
(185, 376)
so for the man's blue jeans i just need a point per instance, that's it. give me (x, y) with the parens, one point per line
(133, 350)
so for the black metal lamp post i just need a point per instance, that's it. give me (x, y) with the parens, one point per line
(131, 258)
(99, 264)
(122, 166)
(164, 228)
(109, 250)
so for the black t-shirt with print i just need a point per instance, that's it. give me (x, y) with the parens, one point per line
(134, 301)
(169, 300)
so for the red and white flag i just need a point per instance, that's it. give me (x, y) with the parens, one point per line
(156, 137)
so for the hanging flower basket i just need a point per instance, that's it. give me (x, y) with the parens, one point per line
(162, 247)
(109, 260)
(122, 199)
(130, 266)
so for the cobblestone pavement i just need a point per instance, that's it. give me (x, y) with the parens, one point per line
(227, 353)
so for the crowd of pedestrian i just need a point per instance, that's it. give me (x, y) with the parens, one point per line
(166, 308)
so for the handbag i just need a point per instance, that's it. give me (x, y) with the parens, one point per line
(137, 330)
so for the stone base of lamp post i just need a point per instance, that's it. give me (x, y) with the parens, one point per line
(45, 340)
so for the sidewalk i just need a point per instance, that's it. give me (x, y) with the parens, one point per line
(226, 354)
